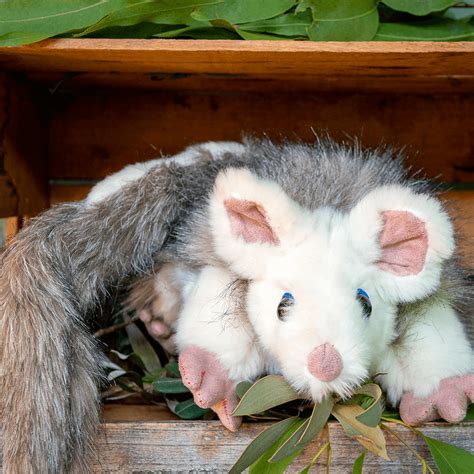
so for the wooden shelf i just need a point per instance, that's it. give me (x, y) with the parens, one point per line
(401, 66)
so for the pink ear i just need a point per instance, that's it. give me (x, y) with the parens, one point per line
(404, 243)
(248, 220)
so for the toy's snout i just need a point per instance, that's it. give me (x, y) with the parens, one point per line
(325, 362)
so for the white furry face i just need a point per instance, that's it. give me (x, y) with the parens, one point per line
(391, 245)
(322, 273)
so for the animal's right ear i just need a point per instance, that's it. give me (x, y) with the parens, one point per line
(253, 221)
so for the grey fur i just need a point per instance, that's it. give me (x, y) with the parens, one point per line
(62, 267)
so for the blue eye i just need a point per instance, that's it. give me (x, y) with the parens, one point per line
(287, 300)
(364, 300)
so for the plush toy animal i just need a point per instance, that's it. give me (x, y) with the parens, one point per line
(322, 262)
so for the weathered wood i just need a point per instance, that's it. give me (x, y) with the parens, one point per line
(205, 446)
(101, 133)
(22, 141)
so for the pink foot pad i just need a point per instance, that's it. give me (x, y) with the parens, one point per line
(449, 402)
(210, 385)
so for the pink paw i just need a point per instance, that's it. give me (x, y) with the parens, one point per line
(204, 375)
(449, 402)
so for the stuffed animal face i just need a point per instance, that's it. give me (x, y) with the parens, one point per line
(324, 286)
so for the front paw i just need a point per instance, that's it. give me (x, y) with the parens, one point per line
(449, 401)
(209, 383)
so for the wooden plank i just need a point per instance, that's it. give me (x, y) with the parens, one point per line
(205, 446)
(23, 143)
(101, 133)
(247, 57)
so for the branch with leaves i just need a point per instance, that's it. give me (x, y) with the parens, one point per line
(28, 21)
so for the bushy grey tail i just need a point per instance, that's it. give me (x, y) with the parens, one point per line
(54, 273)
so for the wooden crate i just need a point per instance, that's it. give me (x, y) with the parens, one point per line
(74, 110)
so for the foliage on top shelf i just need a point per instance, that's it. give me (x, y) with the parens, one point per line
(28, 21)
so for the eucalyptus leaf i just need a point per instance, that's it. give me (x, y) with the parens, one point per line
(242, 388)
(291, 446)
(358, 463)
(143, 349)
(420, 8)
(351, 20)
(188, 410)
(200, 32)
(470, 412)
(450, 459)
(369, 437)
(371, 416)
(172, 12)
(317, 420)
(459, 13)
(265, 441)
(428, 30)
(290, 24)
(267, 392)
(169, 385)
(243, 11)
(263, 465)
(172, 368)
(24, 21)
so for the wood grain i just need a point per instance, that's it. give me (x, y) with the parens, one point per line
(23, 141)
(8, 198)
(100, 133)
(424, 67)
(203, 446)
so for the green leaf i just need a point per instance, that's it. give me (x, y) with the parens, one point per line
(351, 20)
(264, 441)
(450, 459)
(470, 412)
(428, 30)
(199, 32)
(243, 11)
(420, 8)
(371, 415)
(263, 465)
(358, 463)
(188, 410)
(290, 24)
(143, 349)
(307, 432)
(317, 420)
(242, 388)
(291, 446)
(459, 13)
(172, 368)
(23, 21)
(174, 12)
(169, 385)
(369, 437)
(265, 393)
(150, 378)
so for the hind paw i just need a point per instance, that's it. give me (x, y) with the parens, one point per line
(209, 383)
(449, 401)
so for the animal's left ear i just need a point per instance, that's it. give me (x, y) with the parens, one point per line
(404, 237)
(253, 222)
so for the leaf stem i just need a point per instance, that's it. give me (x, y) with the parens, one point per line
(420, 458)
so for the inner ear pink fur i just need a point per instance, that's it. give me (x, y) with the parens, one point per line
(404, 243)
(248, 220)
